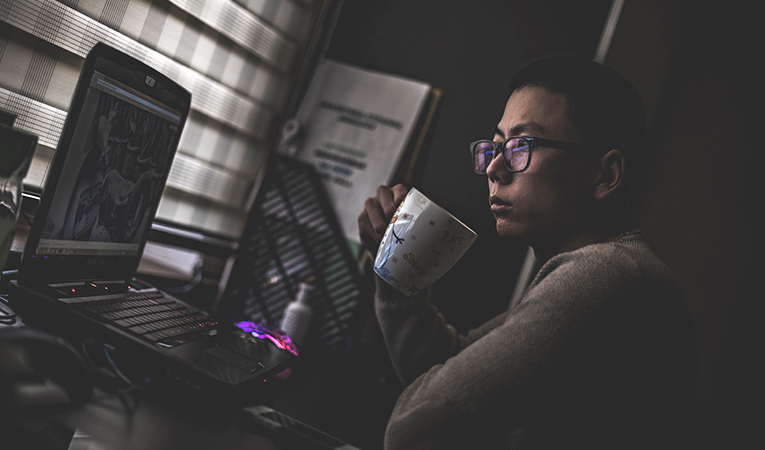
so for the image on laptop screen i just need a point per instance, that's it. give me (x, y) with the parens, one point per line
(113, 175)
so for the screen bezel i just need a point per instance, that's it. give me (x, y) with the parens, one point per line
(133, 74)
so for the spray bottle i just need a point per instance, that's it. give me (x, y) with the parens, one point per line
(297, 315)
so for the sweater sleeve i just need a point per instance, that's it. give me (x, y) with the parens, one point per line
(415, 333)
(498, 371)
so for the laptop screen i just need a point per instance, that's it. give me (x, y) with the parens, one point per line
(108, 175)
(118, 154)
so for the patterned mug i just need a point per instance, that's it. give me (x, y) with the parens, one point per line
(423, 241)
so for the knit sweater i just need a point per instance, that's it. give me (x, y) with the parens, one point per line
(598, 353)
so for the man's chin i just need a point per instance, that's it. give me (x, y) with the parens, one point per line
(506, 231)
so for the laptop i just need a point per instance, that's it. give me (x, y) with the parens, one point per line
(77, 275)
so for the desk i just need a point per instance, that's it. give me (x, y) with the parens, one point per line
(147, 425)
(348, 396)
(336, 395)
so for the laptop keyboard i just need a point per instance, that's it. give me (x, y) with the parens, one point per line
(154, 317)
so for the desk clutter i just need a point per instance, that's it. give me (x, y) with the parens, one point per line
(77, 278)
(293, 236)
(77, 275)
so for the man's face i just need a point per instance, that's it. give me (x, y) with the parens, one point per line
(546, 203)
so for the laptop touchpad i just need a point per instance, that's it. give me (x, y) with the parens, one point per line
(230, 357)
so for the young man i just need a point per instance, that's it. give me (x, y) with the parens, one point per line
(599, 352)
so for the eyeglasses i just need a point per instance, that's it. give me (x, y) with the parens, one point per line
(516, 152)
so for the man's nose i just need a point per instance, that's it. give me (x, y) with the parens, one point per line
(497, 172)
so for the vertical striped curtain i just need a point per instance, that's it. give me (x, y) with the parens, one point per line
(239, 59)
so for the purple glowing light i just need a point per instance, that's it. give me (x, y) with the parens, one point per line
(263, 332)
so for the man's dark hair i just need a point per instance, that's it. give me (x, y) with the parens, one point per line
(604, 107)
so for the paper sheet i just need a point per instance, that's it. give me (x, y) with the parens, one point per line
(357, 124)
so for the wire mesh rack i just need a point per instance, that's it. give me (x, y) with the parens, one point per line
(293, 236)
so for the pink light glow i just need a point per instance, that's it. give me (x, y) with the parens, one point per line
(276, 336)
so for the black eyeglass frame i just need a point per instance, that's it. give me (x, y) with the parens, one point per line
(530, 140)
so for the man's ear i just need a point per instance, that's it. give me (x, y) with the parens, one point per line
(610, 174)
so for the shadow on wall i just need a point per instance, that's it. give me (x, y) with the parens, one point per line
(699, 204)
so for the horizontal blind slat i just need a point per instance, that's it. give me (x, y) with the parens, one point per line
(242, 27)
(77, 33)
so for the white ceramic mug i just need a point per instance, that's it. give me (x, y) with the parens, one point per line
(423, 241)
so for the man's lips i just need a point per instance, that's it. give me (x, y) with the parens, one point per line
(498, 205)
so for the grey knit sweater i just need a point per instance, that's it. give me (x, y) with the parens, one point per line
(599, 353)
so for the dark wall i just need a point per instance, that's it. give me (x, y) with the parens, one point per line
(701, 201)
(469, 49)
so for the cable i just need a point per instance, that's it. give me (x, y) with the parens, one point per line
(10, 274)
(8, 316)
(114, 366)
(190, 285)
(87, 356)
(26, 218)
(118, 393)
(122, 393)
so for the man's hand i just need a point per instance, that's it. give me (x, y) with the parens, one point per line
(378, 210)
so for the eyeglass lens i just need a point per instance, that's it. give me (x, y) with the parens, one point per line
(515, 153)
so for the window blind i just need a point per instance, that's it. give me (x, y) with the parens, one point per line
(239, 59)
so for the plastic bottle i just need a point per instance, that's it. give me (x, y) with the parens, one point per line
(297, 315)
